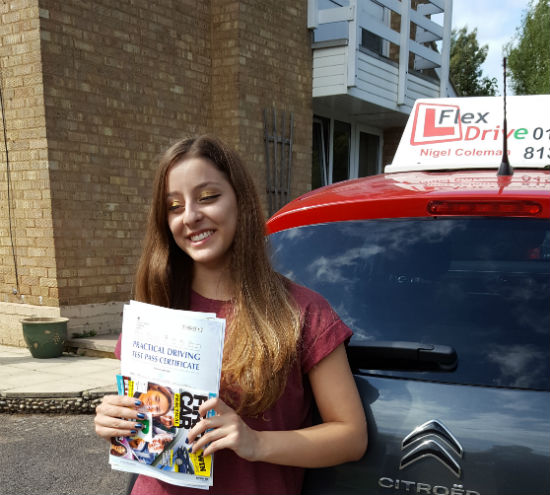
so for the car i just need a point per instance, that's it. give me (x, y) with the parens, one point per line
(441, 267)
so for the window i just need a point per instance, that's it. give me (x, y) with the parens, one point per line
(369, 151)
(369, 40)
(479, 285)
(342, 150)
(320, 157)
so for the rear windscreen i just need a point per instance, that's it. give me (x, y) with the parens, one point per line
(479, 285)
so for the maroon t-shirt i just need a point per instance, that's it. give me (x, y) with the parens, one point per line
(322, 332)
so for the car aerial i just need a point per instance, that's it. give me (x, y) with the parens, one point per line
(441, 267)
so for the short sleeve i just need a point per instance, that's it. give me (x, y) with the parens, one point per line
(322, 329)
(118, 346)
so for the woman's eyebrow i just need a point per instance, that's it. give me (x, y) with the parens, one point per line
(202, 185)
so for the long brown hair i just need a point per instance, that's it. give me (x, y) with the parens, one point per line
(264, 325)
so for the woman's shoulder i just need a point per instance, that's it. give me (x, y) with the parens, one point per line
(306, 297)
(322, 328)
(314, 308)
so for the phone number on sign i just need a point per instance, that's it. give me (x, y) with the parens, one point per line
(537, 153)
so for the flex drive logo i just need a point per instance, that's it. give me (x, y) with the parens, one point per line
(436, 123)
(455, 133)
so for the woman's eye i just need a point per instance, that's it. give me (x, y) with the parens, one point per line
(208, 196)
(174, 205)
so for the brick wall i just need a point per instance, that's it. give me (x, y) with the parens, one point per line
(26, 228)
(262, 60)
(121, 81)
(94, 91)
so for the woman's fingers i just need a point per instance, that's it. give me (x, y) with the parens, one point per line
(114, 415)
(215, 404)
(213, 421)
(202, 443)
(118, 429)
(225, 430)
(223, 442)
(124, 401)
(207, 431)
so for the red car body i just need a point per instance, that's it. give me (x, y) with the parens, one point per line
(409, 194)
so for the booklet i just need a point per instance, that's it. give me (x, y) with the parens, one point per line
(171, 361)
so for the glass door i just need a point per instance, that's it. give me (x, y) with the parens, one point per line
(368, 153)
(342, 151)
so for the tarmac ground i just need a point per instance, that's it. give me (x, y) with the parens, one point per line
(56, 454)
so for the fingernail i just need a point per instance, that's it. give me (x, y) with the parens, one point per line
(137, 403)
(186, 440)
(133, 432)
(138, 425)
(141, 416)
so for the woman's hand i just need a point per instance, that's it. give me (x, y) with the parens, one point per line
(114, 415)
(341, 437)
(226, 431)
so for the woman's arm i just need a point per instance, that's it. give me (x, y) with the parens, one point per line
(342, 436)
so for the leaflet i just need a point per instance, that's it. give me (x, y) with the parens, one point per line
(171, 361)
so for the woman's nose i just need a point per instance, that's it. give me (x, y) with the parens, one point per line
(192, 214)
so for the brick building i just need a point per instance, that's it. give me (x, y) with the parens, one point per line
(93, 91)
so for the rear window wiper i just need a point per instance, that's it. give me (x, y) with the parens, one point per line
(395, 355)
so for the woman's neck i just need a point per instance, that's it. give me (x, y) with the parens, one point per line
(212, 284)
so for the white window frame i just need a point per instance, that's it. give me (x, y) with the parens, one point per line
(356, 129)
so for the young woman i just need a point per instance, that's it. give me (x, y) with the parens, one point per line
(205, 251)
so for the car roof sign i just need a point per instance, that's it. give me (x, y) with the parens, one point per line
(467, 133)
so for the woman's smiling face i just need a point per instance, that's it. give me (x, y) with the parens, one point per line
(201, 211)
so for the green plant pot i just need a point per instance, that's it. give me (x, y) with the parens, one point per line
(45, 337)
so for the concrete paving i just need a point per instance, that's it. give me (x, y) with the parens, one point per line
(70, 375)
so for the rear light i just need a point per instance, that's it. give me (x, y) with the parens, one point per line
(486, 208)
